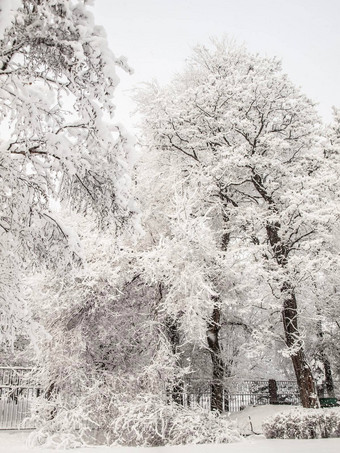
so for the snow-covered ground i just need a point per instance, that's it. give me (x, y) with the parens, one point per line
(15, 441)
(250, 419)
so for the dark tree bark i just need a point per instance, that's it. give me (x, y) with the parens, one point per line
(329, 378)
(218, 365)
(213, 331)
(273, 397)
(50, 394)
(304, 377)
(322, 356)
(303, 373)
(177, 390)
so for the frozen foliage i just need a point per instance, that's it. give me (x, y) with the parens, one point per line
(57, 80)
(125, 401)
(139, 420)
(303, 424)
(232, 185)
(7, 13)
(148, 421)
(11, 303)
(242, 178)
(103, 348)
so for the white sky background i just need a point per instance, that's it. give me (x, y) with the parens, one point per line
(156, 36)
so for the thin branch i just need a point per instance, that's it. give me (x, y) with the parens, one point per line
(53, 220)
(35, 150)
(193, 156)
(246, 136)
(87, 190)
(301, 237)
(6, 229)
(83, 126)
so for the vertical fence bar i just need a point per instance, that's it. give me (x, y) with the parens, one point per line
(6, 409)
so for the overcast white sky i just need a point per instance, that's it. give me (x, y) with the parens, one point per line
(156, 36)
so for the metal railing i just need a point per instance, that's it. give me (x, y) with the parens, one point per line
(16, 395)
(241, 394)
(235, 402)
(17, 392)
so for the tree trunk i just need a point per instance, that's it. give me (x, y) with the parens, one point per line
(303, 373)
(273, 397)
(218, 366)
(50, 393)
(326, 364)
(177, 390)
(213, 330)
(293, 338)
(329, 378)
(305, 381)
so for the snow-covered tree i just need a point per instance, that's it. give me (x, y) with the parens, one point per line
(325, 285)
(59, 142)
(66, 205)
(106, 363)
(244, 145)
(96, 335)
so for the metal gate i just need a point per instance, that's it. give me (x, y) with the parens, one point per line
(16, 394)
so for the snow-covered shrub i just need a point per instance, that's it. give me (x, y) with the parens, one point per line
(150, 421)
(111, 415)
(198, 427)
(303, 424)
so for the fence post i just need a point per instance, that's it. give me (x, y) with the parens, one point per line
(272, 391)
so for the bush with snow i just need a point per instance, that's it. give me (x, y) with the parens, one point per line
(152, 422)
(303, 424)
(134, 420)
